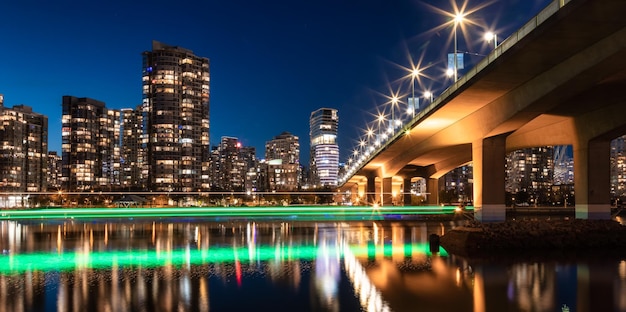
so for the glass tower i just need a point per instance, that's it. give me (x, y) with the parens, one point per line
(324, 149)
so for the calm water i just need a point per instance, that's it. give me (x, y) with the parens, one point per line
(199, 265)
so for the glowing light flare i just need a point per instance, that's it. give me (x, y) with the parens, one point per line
(381, 118)
(429, 95)
(489, 36)
(450, 72)
(459, 17)
(415, 73)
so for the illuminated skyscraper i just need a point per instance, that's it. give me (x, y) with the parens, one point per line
(90, 143)
(323, 124)
(176, 116)
(24, 150)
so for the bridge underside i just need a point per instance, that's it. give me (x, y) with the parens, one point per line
(561, 84)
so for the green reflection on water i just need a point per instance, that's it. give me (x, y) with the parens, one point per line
(67, 261)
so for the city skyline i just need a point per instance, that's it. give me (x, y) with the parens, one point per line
(272, 64)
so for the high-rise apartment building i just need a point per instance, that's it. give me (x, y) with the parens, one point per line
(323, 124)
(282, 154)
(133, 171)
(23, 150)
(530, 173)
(176, 116)
(90, 143)
(618, 167)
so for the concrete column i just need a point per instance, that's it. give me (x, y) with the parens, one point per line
(432, 188)
(592, 174)
(406, 191)
(370, 189)
(488, 156)
(386, 190)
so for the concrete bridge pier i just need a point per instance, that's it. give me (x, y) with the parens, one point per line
(592, 171)
(370, 189)
(406, 191)
(432, 188)
(489, 157)
(386, 191)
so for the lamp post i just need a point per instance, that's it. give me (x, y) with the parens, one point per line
(381, 121)
(458, 18)
(415, 74)
(394, 102)
(370, 134)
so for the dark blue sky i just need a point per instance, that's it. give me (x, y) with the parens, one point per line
(272, 62)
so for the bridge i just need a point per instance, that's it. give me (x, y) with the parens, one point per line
(559, 80)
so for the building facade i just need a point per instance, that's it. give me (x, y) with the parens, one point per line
(229, 166)
(324, 161)
(54, 171)
(23, 149)
(282, 154)
(90, 145)
(176, 112)
(133, 168)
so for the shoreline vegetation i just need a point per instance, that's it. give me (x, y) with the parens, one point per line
(546, 236)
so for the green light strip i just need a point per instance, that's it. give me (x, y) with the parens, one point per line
(288, 211)
(68, 261)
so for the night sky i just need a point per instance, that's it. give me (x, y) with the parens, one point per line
(272, 62)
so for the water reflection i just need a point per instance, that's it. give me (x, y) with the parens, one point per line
(195, 265)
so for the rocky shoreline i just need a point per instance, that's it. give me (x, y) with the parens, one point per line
(476, 239)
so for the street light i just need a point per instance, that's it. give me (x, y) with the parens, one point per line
(428, 95)
(492, 36)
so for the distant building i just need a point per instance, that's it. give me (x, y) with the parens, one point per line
(457, 182)
(529, 174)
(24, 150)
(176, 115)
(324, 161)
(282, 154)
(563, 165)
(618, 167)
(90, 143)
(229, 165)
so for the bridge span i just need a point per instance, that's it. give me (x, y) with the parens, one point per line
(558, 80)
